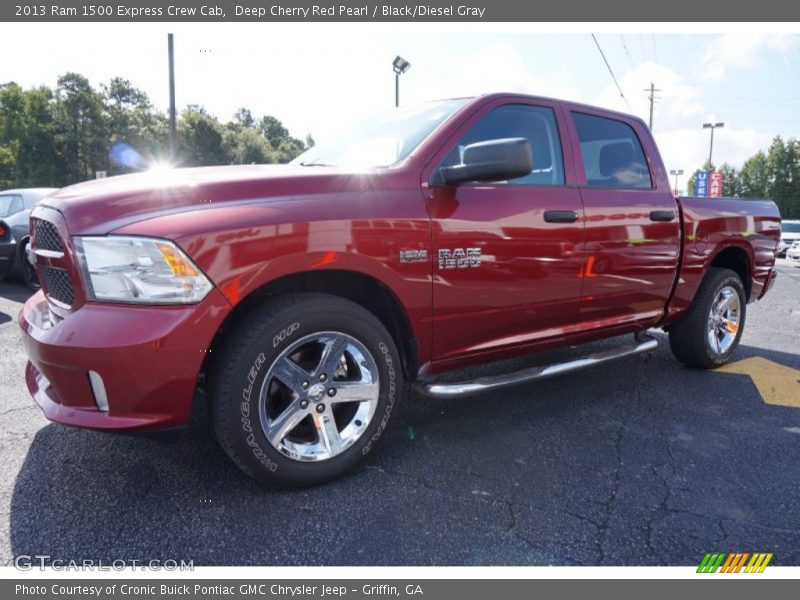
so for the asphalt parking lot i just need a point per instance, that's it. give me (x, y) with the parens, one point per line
(639, 462)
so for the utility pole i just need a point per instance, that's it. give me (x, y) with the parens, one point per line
(652, 89)
(173, 132)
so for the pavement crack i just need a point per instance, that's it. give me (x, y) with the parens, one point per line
(608, 505)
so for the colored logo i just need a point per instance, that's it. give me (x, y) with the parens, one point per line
(735, 562)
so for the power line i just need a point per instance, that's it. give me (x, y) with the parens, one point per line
(611, 71)
(655, 53)
(628, 54)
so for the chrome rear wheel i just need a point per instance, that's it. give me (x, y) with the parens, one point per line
(723, 320)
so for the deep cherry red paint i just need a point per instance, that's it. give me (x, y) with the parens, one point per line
(540, 285)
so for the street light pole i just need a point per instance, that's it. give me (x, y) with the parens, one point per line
(400, 66)
(173, 132)
(712, 127)
(676, 173)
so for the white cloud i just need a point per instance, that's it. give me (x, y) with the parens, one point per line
(744, 51)
(676, 102)
(495, 67)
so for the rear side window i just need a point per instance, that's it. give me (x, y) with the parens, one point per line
(10, 204)
(612, 154)
(536, 123)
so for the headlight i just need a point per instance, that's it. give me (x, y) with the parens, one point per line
(138, 269)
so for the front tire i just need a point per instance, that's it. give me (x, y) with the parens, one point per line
(709, 332)
(303, 388)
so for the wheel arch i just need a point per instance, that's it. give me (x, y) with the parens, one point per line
(364, 290)
(738, 260)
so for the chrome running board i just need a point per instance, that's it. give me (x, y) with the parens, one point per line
(642, 342)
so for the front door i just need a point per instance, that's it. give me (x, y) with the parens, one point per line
(507, 257)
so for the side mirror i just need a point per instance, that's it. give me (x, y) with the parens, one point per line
(492, 160)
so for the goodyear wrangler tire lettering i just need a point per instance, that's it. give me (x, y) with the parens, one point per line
(390, 399)
(333, 365)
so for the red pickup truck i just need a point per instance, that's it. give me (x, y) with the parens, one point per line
(304, 298)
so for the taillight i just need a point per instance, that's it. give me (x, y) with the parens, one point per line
(3, 230)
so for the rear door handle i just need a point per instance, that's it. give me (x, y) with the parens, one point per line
(662, 215)
(560, 216)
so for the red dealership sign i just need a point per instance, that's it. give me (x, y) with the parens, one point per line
(715, 180)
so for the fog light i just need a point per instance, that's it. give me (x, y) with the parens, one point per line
(99, 390)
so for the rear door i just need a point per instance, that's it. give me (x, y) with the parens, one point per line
(507, 256)
(632, 221)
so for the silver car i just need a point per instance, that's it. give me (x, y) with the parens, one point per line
(15, 210)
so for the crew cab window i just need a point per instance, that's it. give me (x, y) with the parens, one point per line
(10, 204)
(612, 154)
(537, 124)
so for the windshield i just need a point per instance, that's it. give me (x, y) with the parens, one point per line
(10, 204)
(382, 140)
(790, 227)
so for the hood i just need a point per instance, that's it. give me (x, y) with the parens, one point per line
(99, 206)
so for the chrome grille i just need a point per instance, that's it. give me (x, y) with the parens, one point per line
(58, 285)
(46, 236)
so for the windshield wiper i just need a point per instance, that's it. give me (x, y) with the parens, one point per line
(314, 164)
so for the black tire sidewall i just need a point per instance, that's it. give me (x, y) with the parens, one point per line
(725, 278)
(279, 331)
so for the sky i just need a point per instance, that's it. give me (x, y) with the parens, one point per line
(317, 78)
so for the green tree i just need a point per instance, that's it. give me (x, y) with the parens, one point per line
(754, 177)
(200, 138)
(132, 120)
(39, 160)
(82, 129)
(248, 146)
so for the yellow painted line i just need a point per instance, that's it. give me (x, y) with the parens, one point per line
(777, 384)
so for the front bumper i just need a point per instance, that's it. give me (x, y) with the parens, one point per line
(148, 357)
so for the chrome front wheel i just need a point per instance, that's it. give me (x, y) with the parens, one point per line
(303, 387)
(319, 396)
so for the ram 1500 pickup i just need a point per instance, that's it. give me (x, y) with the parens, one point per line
(304, 298)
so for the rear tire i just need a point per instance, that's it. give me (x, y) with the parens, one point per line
(709, 332)
(303, 388)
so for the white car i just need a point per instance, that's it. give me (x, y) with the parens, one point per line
(790, 233)
(793, 253)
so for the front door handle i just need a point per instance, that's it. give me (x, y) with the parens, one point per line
(560, 216)
(662, 215)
